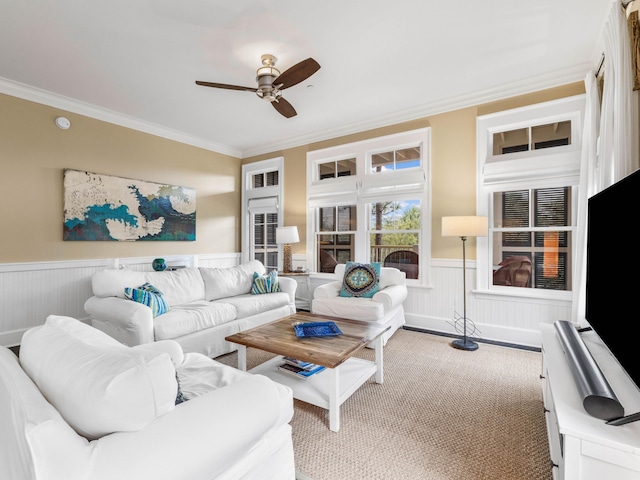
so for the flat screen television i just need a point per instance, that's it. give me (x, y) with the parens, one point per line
(613, 278)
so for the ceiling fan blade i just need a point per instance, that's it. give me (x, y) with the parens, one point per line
(284, 108)
(298, 73)
(224, 85)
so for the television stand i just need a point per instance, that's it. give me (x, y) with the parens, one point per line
(581, 446)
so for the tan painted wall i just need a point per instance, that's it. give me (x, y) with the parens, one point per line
(34, 152)
(453, 165)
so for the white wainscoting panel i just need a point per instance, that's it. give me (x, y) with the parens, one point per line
(503, 318)
(29, 292)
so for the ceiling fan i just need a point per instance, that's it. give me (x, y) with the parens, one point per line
(271, 82)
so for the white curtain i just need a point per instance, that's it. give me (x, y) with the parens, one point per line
(610, 138)
(618, 155)
(587, 188)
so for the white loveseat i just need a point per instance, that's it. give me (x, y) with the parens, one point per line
(78, 405)
(384, 309)
(205, 306)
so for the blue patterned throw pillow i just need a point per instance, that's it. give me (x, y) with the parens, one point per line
(360, 280)
(150, 296)
(265, 283)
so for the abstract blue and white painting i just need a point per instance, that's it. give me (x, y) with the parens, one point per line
(104, 207)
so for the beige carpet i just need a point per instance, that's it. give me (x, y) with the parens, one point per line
(441, 414)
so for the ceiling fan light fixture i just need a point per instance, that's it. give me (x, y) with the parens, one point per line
(268, 70)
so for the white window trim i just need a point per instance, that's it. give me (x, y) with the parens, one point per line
(366, 187)
(552, 167)
(261, 200)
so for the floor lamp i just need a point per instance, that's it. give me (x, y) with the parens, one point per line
(286, 236)
(464, 227)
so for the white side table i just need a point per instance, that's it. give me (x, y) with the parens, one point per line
(303, 292)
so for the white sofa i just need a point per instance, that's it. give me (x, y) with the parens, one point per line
(384, 308)
(205, 306)
(78, 405)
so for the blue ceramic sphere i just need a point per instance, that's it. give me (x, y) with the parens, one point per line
(159, 265)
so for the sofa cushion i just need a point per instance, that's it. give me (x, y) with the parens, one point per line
(178, 286)
(248, 304)
(192, 317)
(360, 280)
(265, 283)
(150, 296)
(230, 281)
(98, 385)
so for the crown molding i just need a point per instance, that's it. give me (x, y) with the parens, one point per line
(27, 92)
(550, 80)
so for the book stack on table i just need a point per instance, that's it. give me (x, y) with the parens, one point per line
(299, 368)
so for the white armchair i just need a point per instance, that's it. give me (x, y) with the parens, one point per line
(385, 308)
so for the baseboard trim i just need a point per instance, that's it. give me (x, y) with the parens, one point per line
(479, 340)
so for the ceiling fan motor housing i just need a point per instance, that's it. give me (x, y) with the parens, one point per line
(265, 76)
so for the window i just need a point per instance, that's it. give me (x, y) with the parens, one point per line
(534, 224)
(261, 198)
(395, 160)
(264, 245)
(394, 235)
(377, 210)
(532, 138)
(529, 172)
(337, 168)
(335, 236)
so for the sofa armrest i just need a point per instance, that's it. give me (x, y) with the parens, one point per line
(128, 322)
(199, 439)
(171, 347)
(289, 286)
(391, 296)
(328, 290)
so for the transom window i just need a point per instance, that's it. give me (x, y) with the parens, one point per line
(337, 168)
(396, 159)
(532, 138)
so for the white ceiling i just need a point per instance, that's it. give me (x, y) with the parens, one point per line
(135, 62)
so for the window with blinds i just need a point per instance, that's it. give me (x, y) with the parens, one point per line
(536, 224)
(264, 239)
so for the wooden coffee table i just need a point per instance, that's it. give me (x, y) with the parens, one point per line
(344, 373)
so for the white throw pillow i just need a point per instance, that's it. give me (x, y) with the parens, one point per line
(98, 385)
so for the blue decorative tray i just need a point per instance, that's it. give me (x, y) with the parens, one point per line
(317, 329)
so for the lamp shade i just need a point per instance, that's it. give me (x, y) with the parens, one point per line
(287, 235)
(464, 226)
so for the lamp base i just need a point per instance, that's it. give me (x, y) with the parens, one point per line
(286, 261)
(464, 344)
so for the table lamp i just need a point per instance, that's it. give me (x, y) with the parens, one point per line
(286, 236)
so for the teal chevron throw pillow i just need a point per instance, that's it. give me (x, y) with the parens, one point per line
(360, 280)
(265, 283)
(150, 296)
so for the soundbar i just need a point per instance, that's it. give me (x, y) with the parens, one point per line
(598, 398)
